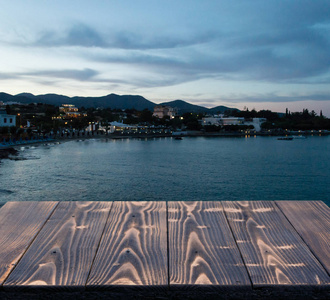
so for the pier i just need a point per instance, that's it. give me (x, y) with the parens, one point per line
(165, 250)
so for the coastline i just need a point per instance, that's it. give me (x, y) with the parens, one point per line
(6, 148)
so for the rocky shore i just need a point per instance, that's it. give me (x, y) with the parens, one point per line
(4, 153)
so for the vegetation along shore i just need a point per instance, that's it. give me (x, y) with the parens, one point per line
(27, 122)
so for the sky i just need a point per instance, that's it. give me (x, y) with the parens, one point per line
(258, 54)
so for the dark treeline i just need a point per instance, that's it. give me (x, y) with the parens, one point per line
(305, 120)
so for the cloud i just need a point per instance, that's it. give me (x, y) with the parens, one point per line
(85, 36)
(288, 56)
(278, 53)
(130, 40)
(145, 81)
(281, 55)
(79, 75)
(273, 97)
(286, 42)
(6, 76)
(77, 35)
(281, 64)
(140, 58)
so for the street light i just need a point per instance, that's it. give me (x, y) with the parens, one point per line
(19, 115)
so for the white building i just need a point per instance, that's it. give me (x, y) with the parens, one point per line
(161, 111)
(232, 121)
(256, 122)
(221, 121)
(68, 108)
(118, 127)
(7, 120)
(211, 121)
(70, 112)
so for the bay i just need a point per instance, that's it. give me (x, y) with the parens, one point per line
(255, 168)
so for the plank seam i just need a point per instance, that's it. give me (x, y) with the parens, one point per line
(98, 245)
(27, 248)
(239, 250)
(310, 249)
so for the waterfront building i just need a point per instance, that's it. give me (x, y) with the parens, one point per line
(232, 121)
(219, 120)
(222, 121)
(256, 123)
(120, 127)
(70, 111)
(161, 111)
(211, 121)
(68, 108)
(7, 120)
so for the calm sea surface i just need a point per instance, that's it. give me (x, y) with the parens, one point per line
(256, 168)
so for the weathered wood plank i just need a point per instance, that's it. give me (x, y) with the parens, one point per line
(273, 252)
(202, 250)
(20, 222)
(311, 219)
(63, 251)
(133, 249)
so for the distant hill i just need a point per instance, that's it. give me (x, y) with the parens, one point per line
(113, 101)
(221, 109)
(184, 106)
(27, 95)
(6, 97)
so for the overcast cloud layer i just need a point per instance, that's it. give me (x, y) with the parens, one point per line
(266, 54)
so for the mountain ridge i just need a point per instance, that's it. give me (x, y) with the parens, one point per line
(112, 100)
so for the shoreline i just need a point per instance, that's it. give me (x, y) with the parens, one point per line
(160, 135)
(6, 151)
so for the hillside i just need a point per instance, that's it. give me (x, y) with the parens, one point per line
(112, 100)
(221, 109)
(184, 107)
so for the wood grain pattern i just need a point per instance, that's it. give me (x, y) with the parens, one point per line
(133, 250)
(20, 222)
(311, 219)
(202, 250)
(120, 250)
(62, 253)
(273, 252)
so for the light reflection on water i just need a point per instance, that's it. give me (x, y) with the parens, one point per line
(261, 168)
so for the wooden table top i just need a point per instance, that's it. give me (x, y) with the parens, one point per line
(160, 250)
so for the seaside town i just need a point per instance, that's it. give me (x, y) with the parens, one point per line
(165, 149)
(22, 123)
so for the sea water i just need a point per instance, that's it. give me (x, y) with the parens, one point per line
(208, 169)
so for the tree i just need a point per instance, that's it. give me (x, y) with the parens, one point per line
(12, 130)
(146, 116)
(8, 109)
